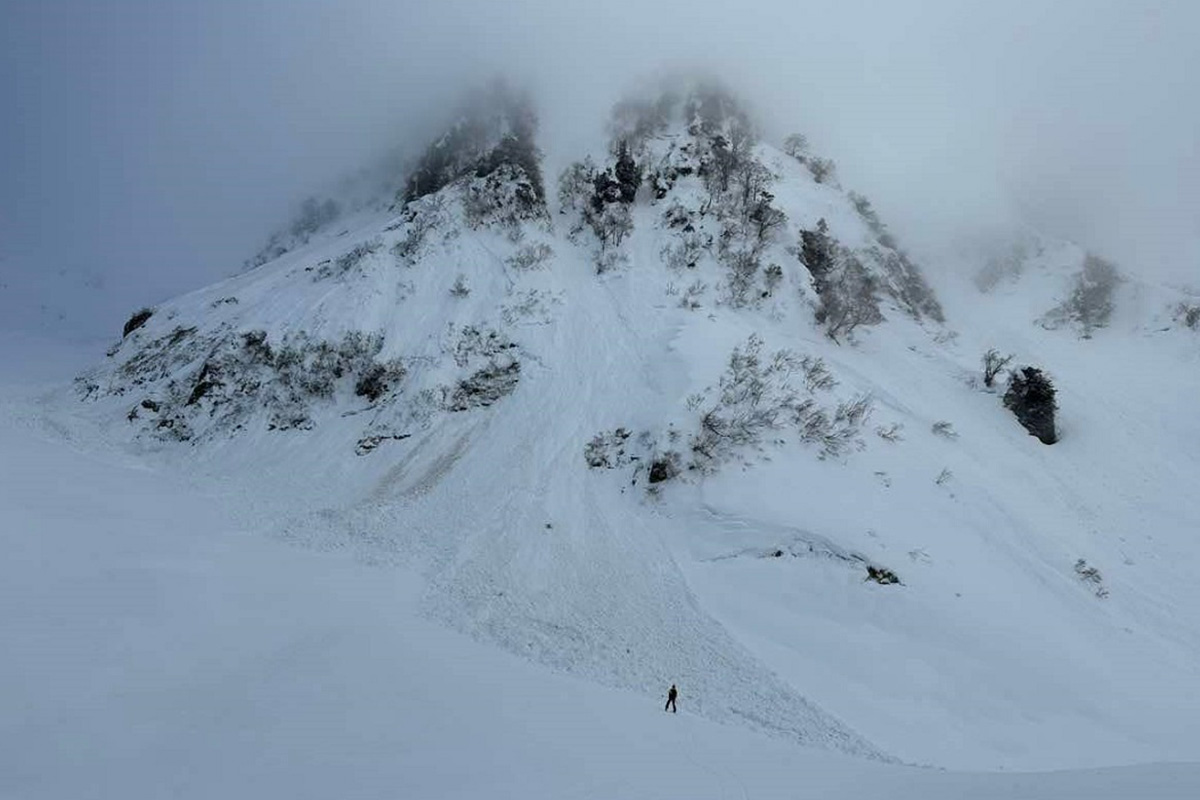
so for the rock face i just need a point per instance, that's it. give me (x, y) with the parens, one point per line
(138, 319)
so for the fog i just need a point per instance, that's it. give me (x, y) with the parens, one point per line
(148, 148)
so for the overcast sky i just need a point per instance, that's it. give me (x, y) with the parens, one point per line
(148, 147)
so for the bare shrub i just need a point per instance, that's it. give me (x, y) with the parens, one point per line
(351, 259)
(772, 277)
(905, 282)
(685, 252)
(1189, 315)
(847, 298)
(743, 265)
(845, 426)
(823, 169)
(610, 261)
(752, 398)
(485, 386)
(890, 433)
(612, 224)
(692, 294)
(871, 217)
(817, 377)
(756, 397)
(607, 450)
(530, 257)
(1091, 576)
(419, 218)
(944, 429)
(993, 363)
(796, 146)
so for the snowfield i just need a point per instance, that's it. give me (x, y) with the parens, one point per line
(377, 519)
(157, 647)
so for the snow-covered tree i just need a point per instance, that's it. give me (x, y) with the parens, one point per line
(796, 146)
(847, 297)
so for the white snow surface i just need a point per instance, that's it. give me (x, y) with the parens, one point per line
(157, 645)
(473, 611)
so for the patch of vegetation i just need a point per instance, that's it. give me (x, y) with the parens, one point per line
(608, 450)
(419, 219)
(1090, 304)
(1092, 577)
(219, 382)
(485, 387)
(1188, 314)
(882, 575)
(944, 429)
(350, 259)
(139, 318)
(758, 397)
(531, 256)
(1031, 398)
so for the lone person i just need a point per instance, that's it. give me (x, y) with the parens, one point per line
(672, 693)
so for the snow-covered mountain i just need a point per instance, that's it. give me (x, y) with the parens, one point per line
(690, 414)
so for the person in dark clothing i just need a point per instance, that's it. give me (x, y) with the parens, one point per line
(671, 694)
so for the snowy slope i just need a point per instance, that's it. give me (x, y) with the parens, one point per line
(157, 646)
(744, 579)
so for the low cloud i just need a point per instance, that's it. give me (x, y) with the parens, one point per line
(152, 147)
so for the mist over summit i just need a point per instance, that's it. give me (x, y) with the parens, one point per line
(166, 140)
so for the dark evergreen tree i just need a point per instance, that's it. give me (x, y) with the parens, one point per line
(817, 251)
(765, 217)
(720, 169)
(1031, 397)
(628, 173)
(605, 189)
